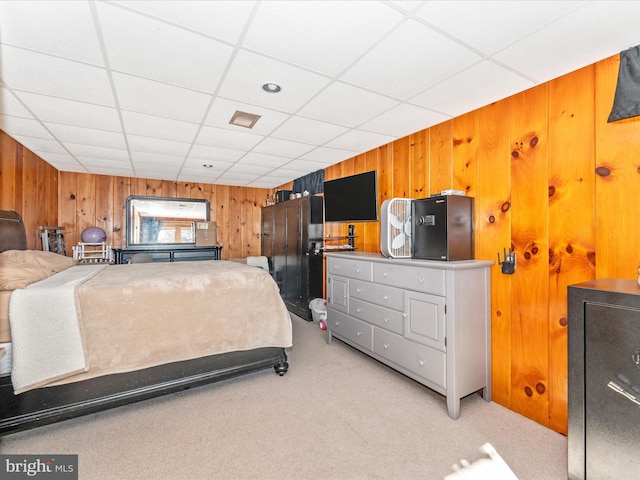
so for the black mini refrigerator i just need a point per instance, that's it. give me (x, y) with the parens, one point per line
(442, 228)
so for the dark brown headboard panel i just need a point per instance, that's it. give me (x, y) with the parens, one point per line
(12, 234)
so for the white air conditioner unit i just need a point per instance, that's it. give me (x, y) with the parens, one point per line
(395, 227)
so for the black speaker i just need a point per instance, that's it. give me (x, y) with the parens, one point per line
(442, 228)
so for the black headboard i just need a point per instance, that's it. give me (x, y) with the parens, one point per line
(12, 234)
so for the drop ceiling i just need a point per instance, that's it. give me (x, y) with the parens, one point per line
(147, 88)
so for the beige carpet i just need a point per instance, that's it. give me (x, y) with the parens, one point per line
(336, 414)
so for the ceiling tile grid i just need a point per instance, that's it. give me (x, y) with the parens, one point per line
(148, 88)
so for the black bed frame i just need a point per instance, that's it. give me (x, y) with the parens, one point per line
(48, 405)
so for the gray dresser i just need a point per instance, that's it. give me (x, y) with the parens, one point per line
(429, 320)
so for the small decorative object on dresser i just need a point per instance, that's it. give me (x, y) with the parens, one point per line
(429, 320)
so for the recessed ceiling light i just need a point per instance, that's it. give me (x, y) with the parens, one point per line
(207, 165)
(271, 87)
(244, 119)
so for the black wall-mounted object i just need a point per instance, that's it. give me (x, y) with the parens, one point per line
(351, 199)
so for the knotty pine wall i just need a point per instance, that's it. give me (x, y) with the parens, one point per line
(75, 201)
(29, 186)
(98, 200)
(553, 181)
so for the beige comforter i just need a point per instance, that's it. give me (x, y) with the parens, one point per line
(141, 315)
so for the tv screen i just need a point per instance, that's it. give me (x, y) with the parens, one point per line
(351, 199)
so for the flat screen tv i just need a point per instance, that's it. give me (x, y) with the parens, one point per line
(351, 199)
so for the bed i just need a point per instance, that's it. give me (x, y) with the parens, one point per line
(76, 339)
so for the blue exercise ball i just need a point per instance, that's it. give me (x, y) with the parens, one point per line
(93, 235)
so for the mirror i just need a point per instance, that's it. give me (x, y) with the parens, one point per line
(162, 221)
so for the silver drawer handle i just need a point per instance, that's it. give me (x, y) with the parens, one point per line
(336, 323)
(358, 290)
(358, 333)
(385, 345)
(421, 280)
(336, 267)
(386, 297)
(385, 274)
(358, 270)
(421, 362)
(358, 310)
(386, 320)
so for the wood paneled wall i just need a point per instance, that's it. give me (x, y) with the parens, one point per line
(553, 181)
(97, 200)
(75, 201)
(29, 186)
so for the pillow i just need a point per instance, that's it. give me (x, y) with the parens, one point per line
(15, 274)
(50, 261)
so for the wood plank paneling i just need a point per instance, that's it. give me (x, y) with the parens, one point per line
(529, 234)
(617, 182)
(571, 207)
(493, 234)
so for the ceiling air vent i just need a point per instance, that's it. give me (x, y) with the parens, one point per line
(244, 119)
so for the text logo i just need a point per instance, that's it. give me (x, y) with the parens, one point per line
(49, 467)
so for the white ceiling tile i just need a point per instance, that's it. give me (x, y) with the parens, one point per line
(161, 172)
(488, 81)
(491, 26)
(70, 112)
(23, 126)
(100, 138)
(201, 153)
(34, 72)
(153, 126)
(219, 137)
(223, 109)
(427, 58)
(142, 46)
(139, 157)
(262, 159)
(431, 61)
(59, 158)
(250, 71)
(346, 105)
(224, 20)
(155, 98)
(58, 28)
(148, 144)
(282, 148)
(328, 156)
(250, 169)
(93, 162)
(93, 151)
(41, 145)
(587, 36)
(403, 120)
(237, 178)
(359, 141)
(307, 130)
(313, 34)
(11, 105)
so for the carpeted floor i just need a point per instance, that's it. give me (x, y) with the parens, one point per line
(336, 414)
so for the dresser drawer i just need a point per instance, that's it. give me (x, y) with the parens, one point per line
(351, 329)
(420, 360)
(347, 267)
(386, 318)
(379, 294)
(428, 280)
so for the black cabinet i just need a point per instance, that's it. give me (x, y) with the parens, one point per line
(292, 240)
(604, 379)
(169, 254)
